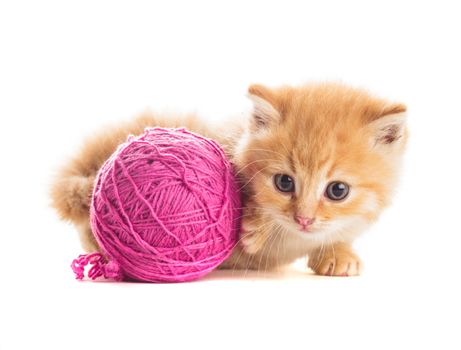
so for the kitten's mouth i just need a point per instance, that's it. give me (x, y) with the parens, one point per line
(306, 229)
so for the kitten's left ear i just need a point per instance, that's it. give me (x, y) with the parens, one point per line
(388, 130)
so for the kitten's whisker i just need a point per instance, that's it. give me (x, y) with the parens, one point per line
(266, 246)
(242, 236)
(261, 149)
(244, 215)
(282, 239)
(324, 250)
(250, 207)
(320, 255)
(317, 256)
(267, 230)
(257, 193)
(235, 263)
(255, 161)
(254, 175)
(334, 255)
(276, 237)
(237, 259)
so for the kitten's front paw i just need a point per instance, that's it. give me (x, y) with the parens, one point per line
(252, 242)
(335, 261)
(252, 239)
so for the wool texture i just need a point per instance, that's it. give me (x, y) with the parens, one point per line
(165, 208)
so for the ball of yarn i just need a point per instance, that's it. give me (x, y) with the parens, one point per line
(165, 207)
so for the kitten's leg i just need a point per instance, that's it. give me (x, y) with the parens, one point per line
(252, 240)
(253, 235)
(337, 259)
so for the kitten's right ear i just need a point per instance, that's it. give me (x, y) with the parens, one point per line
(265, 112)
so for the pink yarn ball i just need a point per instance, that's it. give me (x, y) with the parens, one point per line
(166, 207)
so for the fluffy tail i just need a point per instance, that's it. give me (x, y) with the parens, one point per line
(73, 185)
(71, 196)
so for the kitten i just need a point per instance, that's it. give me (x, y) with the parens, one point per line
(317, 165)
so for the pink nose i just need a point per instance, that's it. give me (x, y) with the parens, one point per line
(304, 221)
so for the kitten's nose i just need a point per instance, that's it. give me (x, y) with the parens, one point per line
(304, 221)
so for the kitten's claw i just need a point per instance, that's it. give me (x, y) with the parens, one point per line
(336, 262)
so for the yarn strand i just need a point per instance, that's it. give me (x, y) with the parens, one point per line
(99, 267)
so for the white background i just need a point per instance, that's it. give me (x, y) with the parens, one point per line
(68, 68)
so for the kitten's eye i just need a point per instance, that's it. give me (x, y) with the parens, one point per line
(284, 183)
(337, 191)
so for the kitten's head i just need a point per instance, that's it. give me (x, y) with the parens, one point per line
(321, 160)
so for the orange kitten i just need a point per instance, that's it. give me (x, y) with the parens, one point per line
(317, 165)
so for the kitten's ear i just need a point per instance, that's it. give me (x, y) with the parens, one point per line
(389, 128)
(265, 111)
